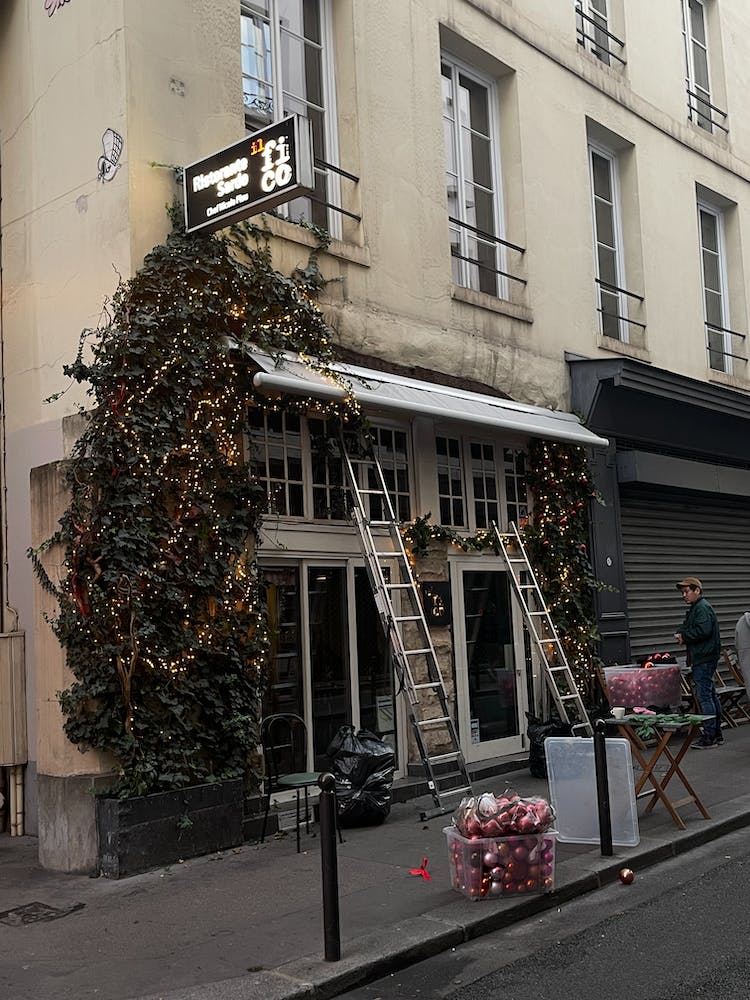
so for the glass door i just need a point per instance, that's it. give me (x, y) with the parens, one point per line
(489, 666)
(377, 701)
(329, 656)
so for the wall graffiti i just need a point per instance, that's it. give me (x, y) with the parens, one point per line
(109, 163)
(52, 5)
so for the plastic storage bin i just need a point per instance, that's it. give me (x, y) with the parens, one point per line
(572, 785)
(491, 867)
(643, 686)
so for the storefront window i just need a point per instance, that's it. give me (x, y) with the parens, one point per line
(490, 656)
(276, 459)
(450, 481)
(329, 493)
(377, 708)
(329, 660)
(516, 497)
(484, 484)
(284, 684)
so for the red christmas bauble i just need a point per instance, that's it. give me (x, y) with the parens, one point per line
(626, 876)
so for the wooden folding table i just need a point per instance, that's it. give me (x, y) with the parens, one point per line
(648, 756)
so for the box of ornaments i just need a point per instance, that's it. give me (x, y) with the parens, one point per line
(501, 846)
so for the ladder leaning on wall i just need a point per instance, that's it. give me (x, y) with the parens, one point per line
(544, 636)
(407, 632)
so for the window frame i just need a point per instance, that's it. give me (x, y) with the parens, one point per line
(467, 272)
(503, 469)
(721, 255)
(611, 158)
(586, 28)
(331, 182)
(702, 120)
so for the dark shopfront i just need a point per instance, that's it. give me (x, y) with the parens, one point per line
(675, 481)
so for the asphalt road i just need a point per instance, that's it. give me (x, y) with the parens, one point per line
(680, 931)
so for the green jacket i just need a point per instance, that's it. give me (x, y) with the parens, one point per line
(700, 631)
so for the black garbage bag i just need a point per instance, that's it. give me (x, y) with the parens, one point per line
(363, 766)
(538, 730)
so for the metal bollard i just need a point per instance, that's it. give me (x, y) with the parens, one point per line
(329, 866)
(602, 789)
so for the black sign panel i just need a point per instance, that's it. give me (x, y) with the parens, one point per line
(259, 172)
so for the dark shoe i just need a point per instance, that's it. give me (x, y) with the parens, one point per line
(703, 743)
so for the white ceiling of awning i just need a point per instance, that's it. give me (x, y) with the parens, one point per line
(379, 391)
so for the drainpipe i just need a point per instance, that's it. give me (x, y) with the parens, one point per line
(16, 772)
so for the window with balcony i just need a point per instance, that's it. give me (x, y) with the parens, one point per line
(722, 343)
(287, 68)
(480, 254)
(594, 33)
(697, 71)
(608, 244)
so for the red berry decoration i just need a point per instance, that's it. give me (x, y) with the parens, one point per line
(627, 876)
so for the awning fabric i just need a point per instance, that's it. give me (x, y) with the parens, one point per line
(378, 391)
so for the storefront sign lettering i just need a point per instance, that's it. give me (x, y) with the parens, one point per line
(259, 172)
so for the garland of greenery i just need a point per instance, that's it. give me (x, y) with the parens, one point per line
(160, 612)
(556, 541)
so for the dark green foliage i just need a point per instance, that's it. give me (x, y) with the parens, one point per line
(556, 540)
(160, 613)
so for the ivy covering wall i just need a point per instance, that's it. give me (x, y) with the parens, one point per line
(160, 614)
(160, 610)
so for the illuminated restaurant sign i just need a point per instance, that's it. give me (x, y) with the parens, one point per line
(263, 170)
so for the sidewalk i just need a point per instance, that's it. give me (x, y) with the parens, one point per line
(248, 924)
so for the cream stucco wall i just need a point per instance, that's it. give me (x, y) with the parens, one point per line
(166, 77)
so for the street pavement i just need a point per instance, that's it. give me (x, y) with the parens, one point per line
(248, 923)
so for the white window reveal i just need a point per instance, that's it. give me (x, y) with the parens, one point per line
(713, 270)
(287, 69)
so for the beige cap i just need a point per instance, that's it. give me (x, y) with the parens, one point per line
(689, 581)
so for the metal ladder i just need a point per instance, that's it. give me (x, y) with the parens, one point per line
(406, 628)
(559, 677)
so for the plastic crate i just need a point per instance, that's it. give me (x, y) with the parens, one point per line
(497, 867)
(634, 687)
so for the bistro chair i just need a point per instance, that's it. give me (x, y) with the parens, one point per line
(284, 742)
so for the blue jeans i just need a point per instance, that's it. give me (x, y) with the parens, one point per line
(703, 678)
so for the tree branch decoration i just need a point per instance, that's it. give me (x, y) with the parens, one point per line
(160, 611)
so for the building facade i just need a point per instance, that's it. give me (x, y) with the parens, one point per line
(541, 208)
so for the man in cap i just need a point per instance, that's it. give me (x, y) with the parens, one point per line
(699, 635)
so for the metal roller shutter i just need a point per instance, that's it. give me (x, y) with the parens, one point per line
(667, 534)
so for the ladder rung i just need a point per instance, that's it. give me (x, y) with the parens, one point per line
(408, 618)
(428, 684)
(398, 586)
(438, 721)
(441, 758)
(416, 652)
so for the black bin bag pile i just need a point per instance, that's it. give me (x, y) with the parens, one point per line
(363, 766)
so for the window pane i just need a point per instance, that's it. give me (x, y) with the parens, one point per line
(711, 272)
(697, 26)
(709, 231)
(602, 179)
(607, 265)
(605, 223)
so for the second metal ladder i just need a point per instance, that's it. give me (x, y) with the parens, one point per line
(549, 649)
(407, 632)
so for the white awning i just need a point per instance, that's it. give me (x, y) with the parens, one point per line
(378, 391)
